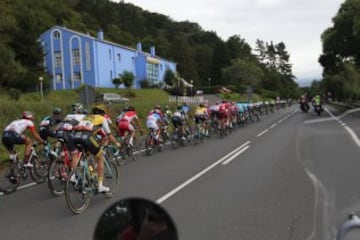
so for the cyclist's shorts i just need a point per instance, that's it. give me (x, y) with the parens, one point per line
(66, 138)
(9, 138)
(200, 119)
(152, 124)
(177, 122)
(222, 115)
(125, 126)
(87, 140)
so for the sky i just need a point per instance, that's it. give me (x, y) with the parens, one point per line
(297, 23)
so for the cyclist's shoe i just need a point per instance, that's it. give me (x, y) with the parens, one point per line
(11, 178)
(183, 138)
(28, 165)
(103, 189)
(73, 179)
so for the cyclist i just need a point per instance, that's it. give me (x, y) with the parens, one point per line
(167, 114)
(223, 114)
(179, 120)
(201, 117)
(14, 134)
(125, 123)
(85, 133)
(48, 125)
(154, 121)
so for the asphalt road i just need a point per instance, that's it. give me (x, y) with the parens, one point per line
(290, 176)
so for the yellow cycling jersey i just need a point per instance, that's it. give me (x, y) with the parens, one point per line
(200, 111)
(93, 123)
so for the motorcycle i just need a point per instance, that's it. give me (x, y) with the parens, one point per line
(304, 106)
(135, 218)
(350, 229)
(318, 109)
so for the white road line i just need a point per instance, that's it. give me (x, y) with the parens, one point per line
(198, 175)
(235, 155)
(262, 133)
(26, 185)
(353, 135)
(274, 125)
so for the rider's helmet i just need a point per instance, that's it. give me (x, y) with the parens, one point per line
(28, 115)
(77, 108)
(57, 111)
(201, 104)
(166, 107)
(57, 114)
(125, 109)
(157, 106)
(131, 108)
(99, 109)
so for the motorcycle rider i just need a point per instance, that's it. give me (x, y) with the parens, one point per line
(304, 103)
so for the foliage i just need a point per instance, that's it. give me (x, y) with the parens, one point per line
(128, 79)
(144, 84)
(341, 53)
(169, 77)
(14, 94)
(117, 82)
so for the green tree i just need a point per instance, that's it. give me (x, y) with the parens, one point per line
(117, 82)
(169, 77)
(128, 79)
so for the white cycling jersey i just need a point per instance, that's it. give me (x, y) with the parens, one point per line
(20, 125)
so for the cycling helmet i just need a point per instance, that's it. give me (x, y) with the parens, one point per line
(126, 108)
(28, 115)
(131, 108)
(99, 109)
(157, 106)
(77, 108)
(201, 105)
(57, 111)
(166, 107)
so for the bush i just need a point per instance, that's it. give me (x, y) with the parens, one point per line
(144, 84)
(14, 94)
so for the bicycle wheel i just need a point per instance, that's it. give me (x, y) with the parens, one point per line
(77, 193)
(149, 145)
(38, 172)
(9, 179)
(41, 166)
(57, 176)
(111, 176)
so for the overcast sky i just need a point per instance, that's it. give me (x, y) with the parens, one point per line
(298, 23)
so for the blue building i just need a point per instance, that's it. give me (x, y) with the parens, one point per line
(73, 58)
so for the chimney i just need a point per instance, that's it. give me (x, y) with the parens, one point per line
(138, 47)
(100, 35)
(152, 51)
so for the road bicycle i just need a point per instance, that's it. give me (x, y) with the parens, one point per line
(152, 141)
(12, 170)
(82, 182)
(59, 170)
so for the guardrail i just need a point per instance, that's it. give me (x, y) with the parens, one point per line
(188, 100)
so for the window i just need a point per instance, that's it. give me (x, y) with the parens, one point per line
(119, 57)
(77, 76)
(76, 57)
(56, 34)
(153, 73)
(58, 78)
(57, 56)
(161, 67)
(87, 57)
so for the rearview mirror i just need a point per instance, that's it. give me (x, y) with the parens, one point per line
(135, 219)
(350, 230)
